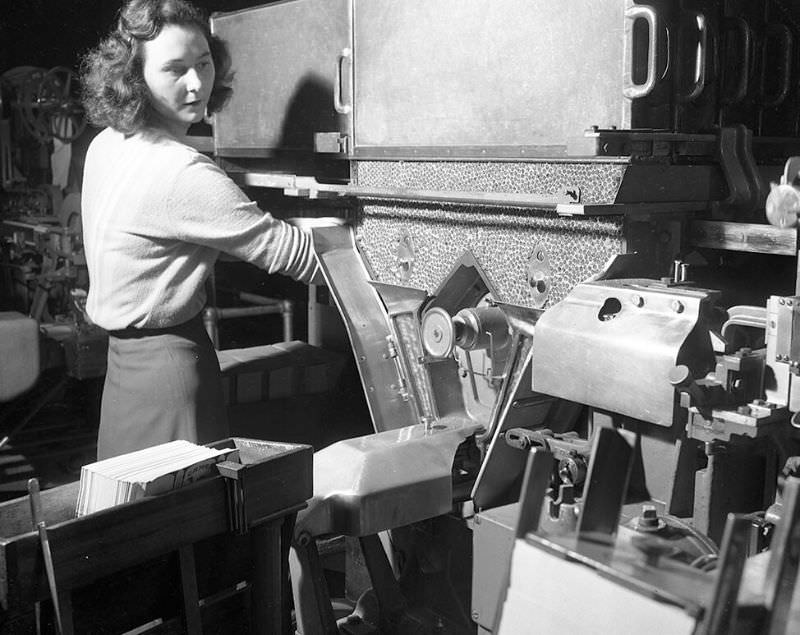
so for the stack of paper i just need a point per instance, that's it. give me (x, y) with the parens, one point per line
(155, 470)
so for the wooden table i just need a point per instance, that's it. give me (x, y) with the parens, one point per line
(166, 561)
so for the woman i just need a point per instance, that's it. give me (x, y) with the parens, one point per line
(156, 216)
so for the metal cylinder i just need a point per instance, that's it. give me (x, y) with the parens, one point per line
(481, 328)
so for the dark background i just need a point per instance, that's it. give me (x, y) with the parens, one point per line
(49, 33)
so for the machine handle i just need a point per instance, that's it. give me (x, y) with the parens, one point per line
(742, 28)
(631, 90)
(743, 315)
(701, 59)
(783, 36)
(338, 105)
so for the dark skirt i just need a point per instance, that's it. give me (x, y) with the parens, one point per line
(161, 385)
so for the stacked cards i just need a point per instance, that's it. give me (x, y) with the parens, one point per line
(155, 470)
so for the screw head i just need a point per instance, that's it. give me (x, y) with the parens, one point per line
(637, 300)
(648, 520)
(677, 306)
(649, 512)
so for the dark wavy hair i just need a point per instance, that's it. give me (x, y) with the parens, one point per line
(114, 92)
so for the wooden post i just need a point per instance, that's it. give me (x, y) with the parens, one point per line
(267, 584)
(191, 598)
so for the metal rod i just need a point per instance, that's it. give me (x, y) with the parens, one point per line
(254, 298)
(309, 186)
(264, 306)
(246, 311)
(41, 527)
(288, 318)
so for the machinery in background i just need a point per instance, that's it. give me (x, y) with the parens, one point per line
(43, 266)
(574, 328)
(548, 257)
(43, 280)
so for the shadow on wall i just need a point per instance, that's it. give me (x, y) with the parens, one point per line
(309, 110)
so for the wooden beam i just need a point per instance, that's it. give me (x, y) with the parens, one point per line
(750, 237)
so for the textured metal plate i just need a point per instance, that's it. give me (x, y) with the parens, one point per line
(501, 239)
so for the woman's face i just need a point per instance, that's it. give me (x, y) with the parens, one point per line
(179, 74)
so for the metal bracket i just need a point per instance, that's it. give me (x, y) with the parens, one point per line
(237, 512)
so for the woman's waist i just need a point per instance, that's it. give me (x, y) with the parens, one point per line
(133, 332)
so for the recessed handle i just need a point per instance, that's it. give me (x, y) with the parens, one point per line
(782, 36)
(338, 105)
(738, 27)
(701, 59)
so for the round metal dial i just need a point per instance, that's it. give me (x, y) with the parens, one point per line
(438, 334)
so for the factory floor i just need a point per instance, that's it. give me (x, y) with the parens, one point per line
(52, 432)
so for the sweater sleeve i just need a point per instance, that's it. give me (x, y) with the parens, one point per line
(206, 207)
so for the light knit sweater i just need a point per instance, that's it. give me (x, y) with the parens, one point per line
(156, 214)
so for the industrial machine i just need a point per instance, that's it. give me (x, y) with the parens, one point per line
(568, 276)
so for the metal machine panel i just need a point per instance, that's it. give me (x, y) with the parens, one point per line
(285, 78)
(603, 601)
(503, 74)
(596, 346)
(416, 245)
(368, 328)
(380, 481)
(493, 539)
